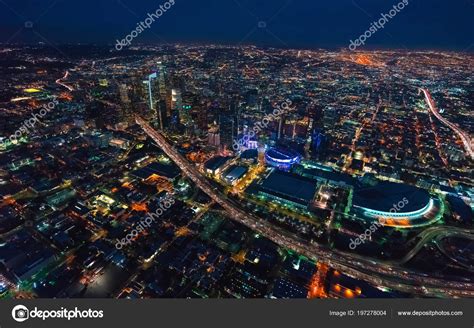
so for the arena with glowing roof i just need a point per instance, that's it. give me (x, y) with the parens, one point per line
(396, 204)
(281, 158)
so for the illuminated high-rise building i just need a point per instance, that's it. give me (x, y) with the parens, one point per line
(227, 130)
(138, 94)
(151, 89)
(162, 75)
(189, 101)
(176, 99)
(281, 125)
(261, 154)
(318, 143)
(162, 111)
(126, 103)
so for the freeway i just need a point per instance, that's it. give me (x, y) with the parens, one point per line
(432, 233)
(377, 273)
(466, 264)
(465, 138)
(59, 81)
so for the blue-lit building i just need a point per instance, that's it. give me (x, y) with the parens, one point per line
(318, 141)
(282, 159)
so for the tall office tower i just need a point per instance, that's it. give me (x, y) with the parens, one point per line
(163, 94)
(176, 105)
(162, 75)
(169, 102)
(281, 126)
(137, 94)
(318, 145)
(156, 90)
(315, 116)
(163, 118)
(202, 119)
(189, 102)
(126, 103)
(176, 99)
(151, 88)
(175, 123)
(227, 131)
(261, 154)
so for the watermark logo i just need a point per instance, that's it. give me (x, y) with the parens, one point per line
(144, 223)
(29, 124)
(367, 235)
(377, 25)
(20, 313)
(143, 25)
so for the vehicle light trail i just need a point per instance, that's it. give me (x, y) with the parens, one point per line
(465, 138)
(58, 81)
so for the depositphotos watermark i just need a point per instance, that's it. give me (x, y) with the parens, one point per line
(259, 126)
(377, 25)
(21, 313)
(31, 122)
(376, 225)
(143, 25)
(145, 223)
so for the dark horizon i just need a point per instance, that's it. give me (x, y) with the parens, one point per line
(421, 25)
(469, 51)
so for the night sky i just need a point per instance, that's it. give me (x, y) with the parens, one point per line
(422, 24)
